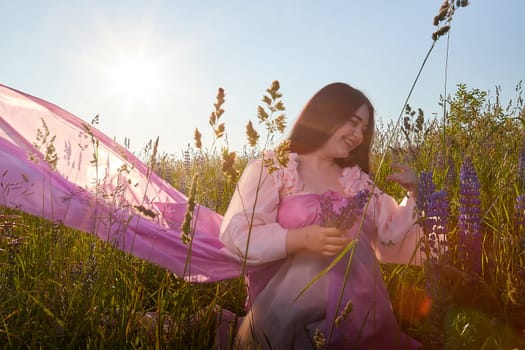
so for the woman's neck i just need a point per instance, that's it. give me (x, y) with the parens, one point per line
(319, 174)
(316, 162)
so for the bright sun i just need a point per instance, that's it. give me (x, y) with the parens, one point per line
(134, 78)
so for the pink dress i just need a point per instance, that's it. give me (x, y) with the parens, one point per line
(276, 316)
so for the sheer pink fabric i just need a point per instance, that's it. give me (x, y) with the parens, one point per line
(54, 165)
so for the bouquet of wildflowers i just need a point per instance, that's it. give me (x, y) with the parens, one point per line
(342, 212)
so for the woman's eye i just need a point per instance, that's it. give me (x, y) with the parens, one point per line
(355, 123)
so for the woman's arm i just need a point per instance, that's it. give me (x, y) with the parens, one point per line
(398, 233)
(251, 218)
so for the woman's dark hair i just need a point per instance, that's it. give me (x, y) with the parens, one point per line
(326, 111)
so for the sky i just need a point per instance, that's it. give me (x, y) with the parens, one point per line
(153, 68)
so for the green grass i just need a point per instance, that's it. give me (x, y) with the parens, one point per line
(64, 289)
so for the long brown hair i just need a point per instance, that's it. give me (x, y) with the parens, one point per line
(324, 113)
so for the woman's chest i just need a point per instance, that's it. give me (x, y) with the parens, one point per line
(320, 181)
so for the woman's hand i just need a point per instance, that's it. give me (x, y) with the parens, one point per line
(325, 241)
(405, 177)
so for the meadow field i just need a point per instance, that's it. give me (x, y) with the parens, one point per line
(64, 289)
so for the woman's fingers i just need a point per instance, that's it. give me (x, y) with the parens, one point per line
(400, 166)
(405, 176)
(403, 170)
(330, 250)
(326, 241)
(334, 241)
(332, 232)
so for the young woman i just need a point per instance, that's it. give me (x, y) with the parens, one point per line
(273, 224)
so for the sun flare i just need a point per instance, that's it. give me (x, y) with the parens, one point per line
(134, 78)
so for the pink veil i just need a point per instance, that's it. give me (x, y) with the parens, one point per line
(54, 165)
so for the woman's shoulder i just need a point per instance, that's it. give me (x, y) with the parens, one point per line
(281, 167)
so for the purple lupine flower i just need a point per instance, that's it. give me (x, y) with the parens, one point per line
(438, 159)
(339, 211)
(425, 188)
(519, 214)
(469, 219)
(182, 184)
(519, 217)
(437, 221)
(187, 162)
(450, 179)
(519, 230)
(434, 209)
(521, 167)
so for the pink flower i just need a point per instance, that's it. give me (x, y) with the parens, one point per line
(354, 180)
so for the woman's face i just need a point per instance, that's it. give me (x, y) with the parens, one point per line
(349, 136)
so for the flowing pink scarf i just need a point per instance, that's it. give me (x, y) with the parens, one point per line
(54, 165)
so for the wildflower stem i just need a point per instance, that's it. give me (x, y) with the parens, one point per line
(389, 141)
(445, 96)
